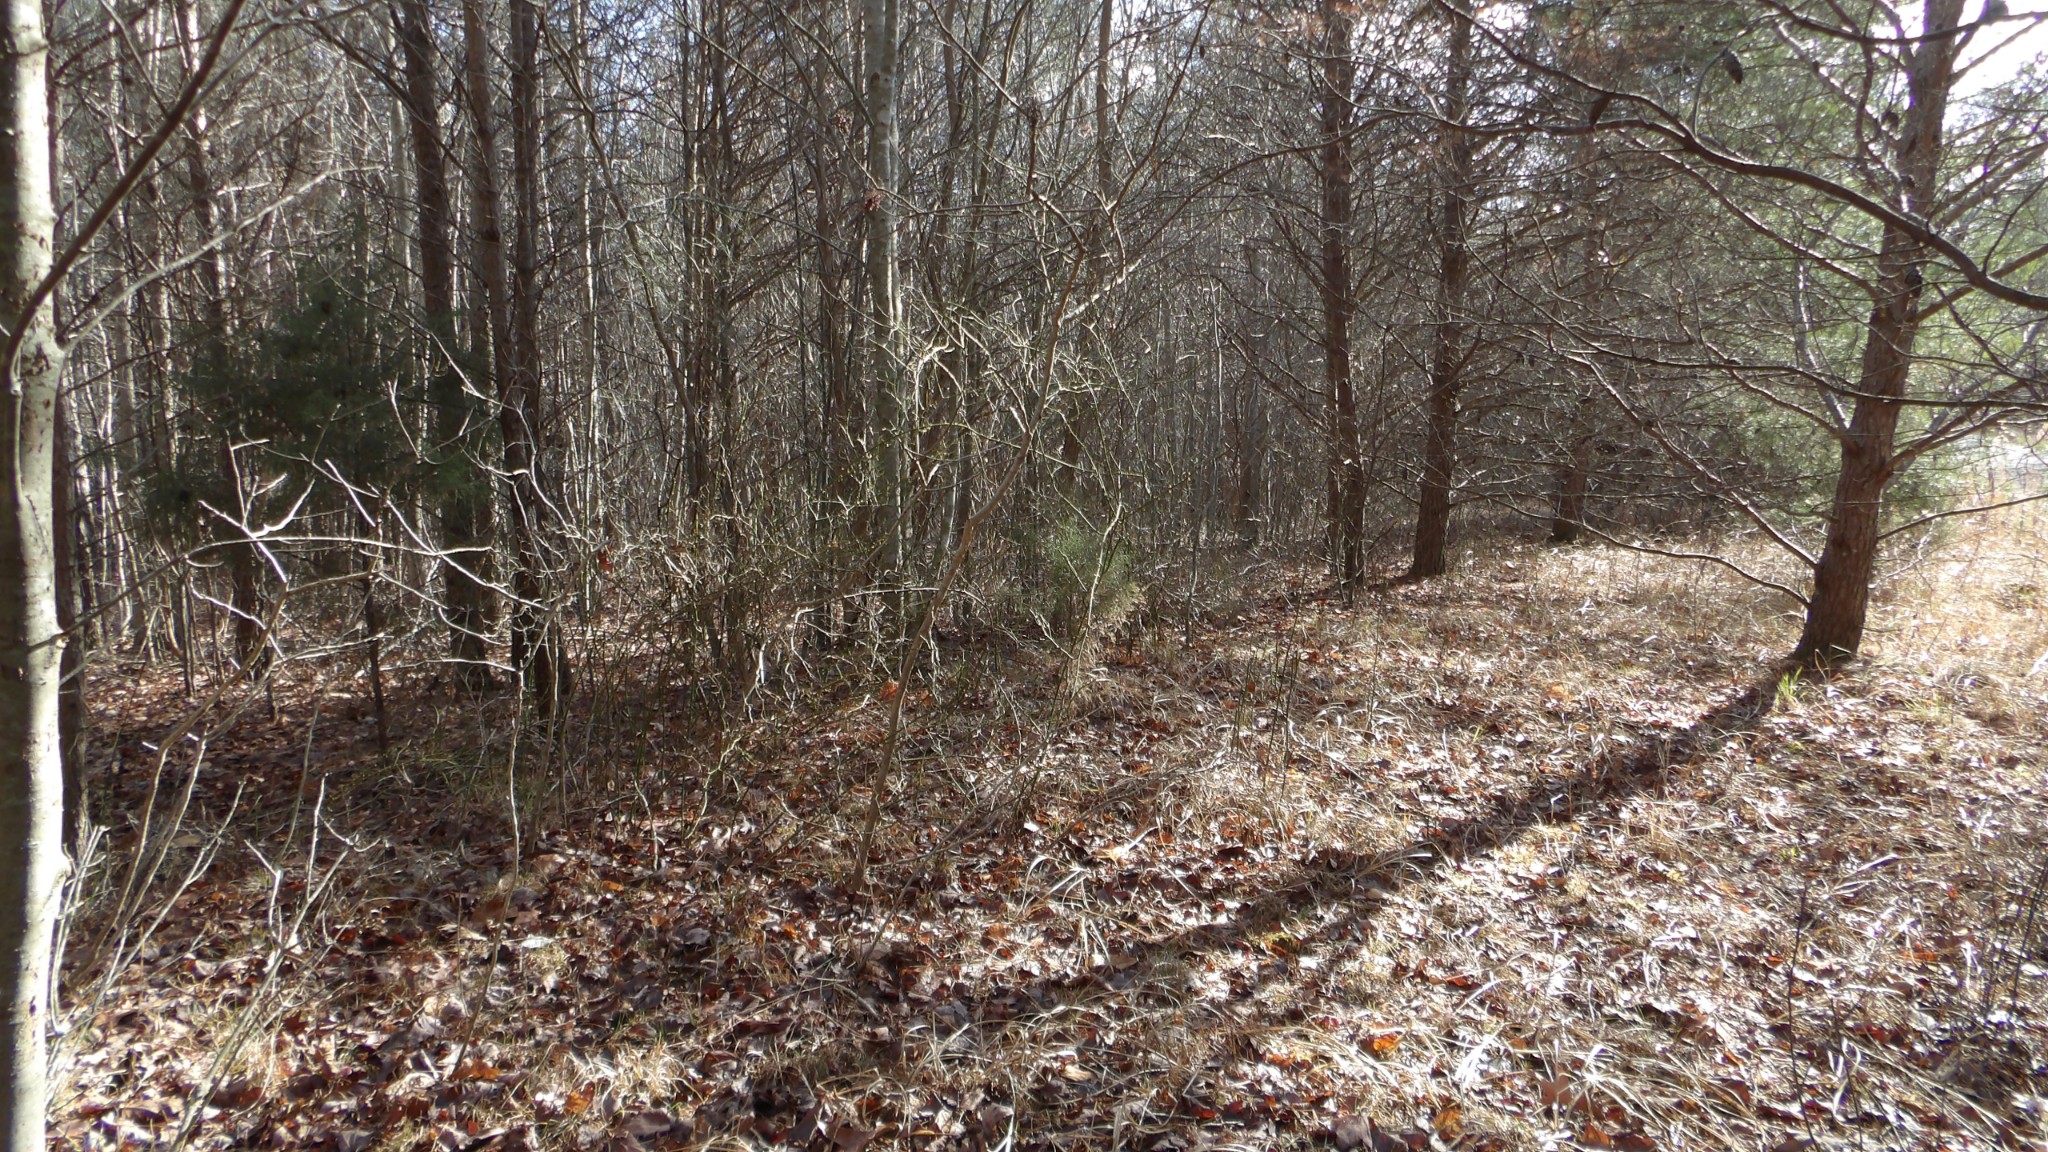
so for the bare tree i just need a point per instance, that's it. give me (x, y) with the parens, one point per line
(1347, 471)
(31, 809)
(1448, 351)
(466, 511)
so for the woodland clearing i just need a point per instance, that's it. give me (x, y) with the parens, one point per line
(1547, 853)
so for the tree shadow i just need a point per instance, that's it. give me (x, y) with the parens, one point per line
(1602, 782)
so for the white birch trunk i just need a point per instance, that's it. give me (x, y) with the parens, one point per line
(31, 792)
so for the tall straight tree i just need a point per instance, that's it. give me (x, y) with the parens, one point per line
(536, 641)
(465, 509)
(32, 793)
(511, 304)
(1575, 467)
(1347, 470)
(244, 576)
(1454, 261)
(879, 29)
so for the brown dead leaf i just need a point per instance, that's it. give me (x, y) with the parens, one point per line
(1350, 1133)
(237, 1092)
(850, 1137)
(1406, 1140)
(1449, 1124)
(1560, 1093)
(578, 1102)
(641, 1125)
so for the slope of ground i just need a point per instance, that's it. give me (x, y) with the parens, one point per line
(1546, 854)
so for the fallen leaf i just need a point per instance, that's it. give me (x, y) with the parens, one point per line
(1449, 1124)
(650, 1123)
(238, 1092)
(850, 1137)
(578, 1102)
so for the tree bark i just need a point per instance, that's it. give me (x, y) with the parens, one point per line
(245, 590)
(71, 585)
(512, 310)
(1840, 604)
(879, 32)
(1446, 362)
(31, 646)
(1575, 470)
(1568, 515)
(1347, 473)
(842, 416)
(466, 596)
(536, 640)
(1079, 425)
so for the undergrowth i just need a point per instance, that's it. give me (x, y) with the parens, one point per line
(1547, 853)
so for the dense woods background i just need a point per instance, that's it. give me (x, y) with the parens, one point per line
(467, 335)
(527, 376)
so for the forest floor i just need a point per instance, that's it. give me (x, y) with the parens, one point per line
(1549, 853)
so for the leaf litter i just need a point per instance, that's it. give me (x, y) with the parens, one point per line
(1460, 866)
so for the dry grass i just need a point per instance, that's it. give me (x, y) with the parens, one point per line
(1543, 854)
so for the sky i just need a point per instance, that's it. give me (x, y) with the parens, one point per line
(2006, 61)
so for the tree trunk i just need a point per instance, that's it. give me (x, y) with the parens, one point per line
(1836, 612)
(512, 313)
(1446, 362)
(1575, 471)
(31, 647)
(1568, 514)
(1347, 473)
(879, 33)
(245, 590)
(841, 419)
(467, 599)
(71, 585)
(536, 639)
(1079, 425)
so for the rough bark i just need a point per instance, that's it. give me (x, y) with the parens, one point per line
(1574, 477)
(245, 590)
(842, 423)
(880, 32)
(31, 647)
(509, 296)
(1078, 426)
(71, 587)
(536, 641)
(1575, 470)
(1840, 604)
(1447, 353)
(466, 596)
(1347, 473)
